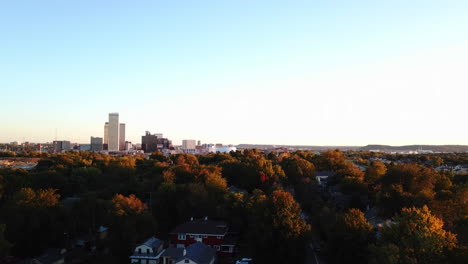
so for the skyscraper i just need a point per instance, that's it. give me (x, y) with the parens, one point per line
(106, 133)
(113, 132)
(122, 137)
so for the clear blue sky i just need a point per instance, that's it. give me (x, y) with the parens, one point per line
(284, 72)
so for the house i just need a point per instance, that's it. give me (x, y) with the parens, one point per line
(148, 252)
(322, 177)
(102, 232)
(209, 232)
(197, 253)
(234, 189)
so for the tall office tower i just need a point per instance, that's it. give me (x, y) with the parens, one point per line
(106, 133)
(113, 132)
(122, 137)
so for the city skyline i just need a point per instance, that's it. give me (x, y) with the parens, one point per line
(301, 73)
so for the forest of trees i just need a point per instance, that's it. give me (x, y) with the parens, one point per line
(282, 210)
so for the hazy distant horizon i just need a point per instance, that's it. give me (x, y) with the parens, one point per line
(245, 72)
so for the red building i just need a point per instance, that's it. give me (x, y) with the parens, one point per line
(211, 233)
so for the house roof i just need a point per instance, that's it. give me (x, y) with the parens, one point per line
(230, 239)
(174, 253)
(152, 242)
(200, 253)
(102, 229)
(51, 255)
(324, 173)
(202, 226)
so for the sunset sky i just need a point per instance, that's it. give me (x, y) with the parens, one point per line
(265, 71)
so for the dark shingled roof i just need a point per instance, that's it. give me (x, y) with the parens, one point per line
(230, 239)
(199, 253)
(201, 226)
(174, 253)
(324, 173)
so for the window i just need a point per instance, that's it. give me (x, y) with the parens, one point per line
(226, 248)
(205, 236)
(217, 247)
(182, 237)
(147, 251)
(139, 250)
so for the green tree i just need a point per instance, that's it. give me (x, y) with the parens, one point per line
(5, 246)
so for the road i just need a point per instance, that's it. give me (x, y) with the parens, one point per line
(312, 257)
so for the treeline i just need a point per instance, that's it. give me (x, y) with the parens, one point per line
(266, 199)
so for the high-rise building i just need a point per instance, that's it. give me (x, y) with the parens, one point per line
(128, 145)
(106, 133)
(122, 137)
(96, 144)
(151, 143)
(60, 146)
(113, 132)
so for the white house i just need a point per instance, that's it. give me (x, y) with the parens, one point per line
(148, 253)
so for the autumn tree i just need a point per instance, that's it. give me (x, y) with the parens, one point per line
(297, 169)
(130, 205)
(350, 238)
(406, 185)
(35, 220)
(375, 171)
(277, 232)
(414, 236)
(130, 223)
(332, 160)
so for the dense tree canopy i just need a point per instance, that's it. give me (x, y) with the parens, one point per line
(271, 201)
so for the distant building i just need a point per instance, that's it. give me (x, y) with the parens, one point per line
(128, 146)
(151, 143)
(60, 146)
(188, 144)
(96, 144)
(122, 136)
(106, 133)
(222, 149)
(84, 147)
(113, 132)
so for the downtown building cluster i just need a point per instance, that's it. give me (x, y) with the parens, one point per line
(114, 141)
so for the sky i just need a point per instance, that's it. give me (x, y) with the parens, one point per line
(265, 71)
